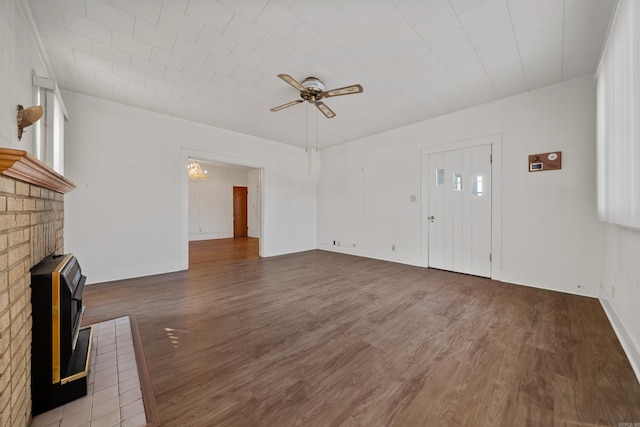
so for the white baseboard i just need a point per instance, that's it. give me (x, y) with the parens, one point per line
(630, 349)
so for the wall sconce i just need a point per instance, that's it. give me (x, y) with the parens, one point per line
(27, 117)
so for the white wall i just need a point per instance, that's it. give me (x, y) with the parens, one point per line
(551, 237)
(19, 60)
(620, 292)
(254, 203)
(211, 202)
(126, 217)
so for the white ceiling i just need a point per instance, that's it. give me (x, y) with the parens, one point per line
(216, 62)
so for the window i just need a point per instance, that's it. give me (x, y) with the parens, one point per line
(49, 131)
(457, 181)
(477, 185)
(618, 85)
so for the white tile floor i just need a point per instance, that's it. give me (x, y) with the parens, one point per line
(113, 395)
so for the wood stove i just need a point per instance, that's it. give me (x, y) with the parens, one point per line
(60, 349)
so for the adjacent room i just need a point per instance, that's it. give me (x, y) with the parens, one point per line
(329, 213)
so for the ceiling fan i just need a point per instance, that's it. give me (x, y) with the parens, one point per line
(312, 90)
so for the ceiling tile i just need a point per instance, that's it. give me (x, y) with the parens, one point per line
(442, 24)
(153, 35)
(129, 44)
(249, 9)
(340, 28)
(327, 54)
(147, 67)
(128, 73)
(50, 13)
(94, 62)
(138, 89)
(215, 42)
(244, 56)
(167, 59)
(416, 11)
(179, 6)
(190, 51)
(380, 15)
(179, 24)
(304, 39)
(314, 13)
(461, 6)
(110, 16)
(210, 13)
(177, 77)
(247, 76)
(475, 83)
(273, 48)
(397, 35)
(360, 46)
(484, 15)
(160, 83)
(220, 64)
(198, 71)
(76, 5)
(111, 54)
(57, 50)
(277, 21)
(244, 31)
(67, 38)
(86, 27)
(149, 10)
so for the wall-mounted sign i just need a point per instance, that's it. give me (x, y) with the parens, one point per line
(545, 161)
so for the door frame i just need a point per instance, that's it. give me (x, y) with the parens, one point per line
(495, 141)
(185, 155)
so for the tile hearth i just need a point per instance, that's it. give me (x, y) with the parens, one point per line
(114, 396)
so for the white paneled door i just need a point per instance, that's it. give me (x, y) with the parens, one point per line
(459, 210)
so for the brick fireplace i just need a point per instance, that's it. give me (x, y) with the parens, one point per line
(31, 227)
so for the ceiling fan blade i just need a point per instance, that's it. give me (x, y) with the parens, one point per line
(287, 78)
(347, 90)
(325, 110)
(288, 104)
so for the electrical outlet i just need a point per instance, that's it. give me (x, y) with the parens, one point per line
(393, 247)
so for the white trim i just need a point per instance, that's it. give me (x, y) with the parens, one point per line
(630, 349)
(27, 15)
(193, 237)
(185, 155)
(495, 141)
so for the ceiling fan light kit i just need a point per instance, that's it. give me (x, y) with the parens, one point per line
(312, 90)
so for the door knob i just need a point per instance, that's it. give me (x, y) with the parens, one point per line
(431, 218)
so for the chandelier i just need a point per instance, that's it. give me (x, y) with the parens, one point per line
(196, 173)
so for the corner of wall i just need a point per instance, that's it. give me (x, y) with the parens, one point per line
(628, 345)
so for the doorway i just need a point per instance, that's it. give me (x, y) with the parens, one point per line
(459, 215)
(223, 212)
(240, 226)
(461, 208)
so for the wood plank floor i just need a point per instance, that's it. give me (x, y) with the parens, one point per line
(220, 249)
(324, 339)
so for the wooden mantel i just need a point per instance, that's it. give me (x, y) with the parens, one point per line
(21, 165)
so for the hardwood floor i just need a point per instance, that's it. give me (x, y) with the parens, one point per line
(219, 249)
(325, 339)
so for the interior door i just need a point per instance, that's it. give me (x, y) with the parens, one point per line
(240, 226)
(459, 210)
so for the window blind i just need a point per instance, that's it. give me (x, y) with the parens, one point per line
(618, 120)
